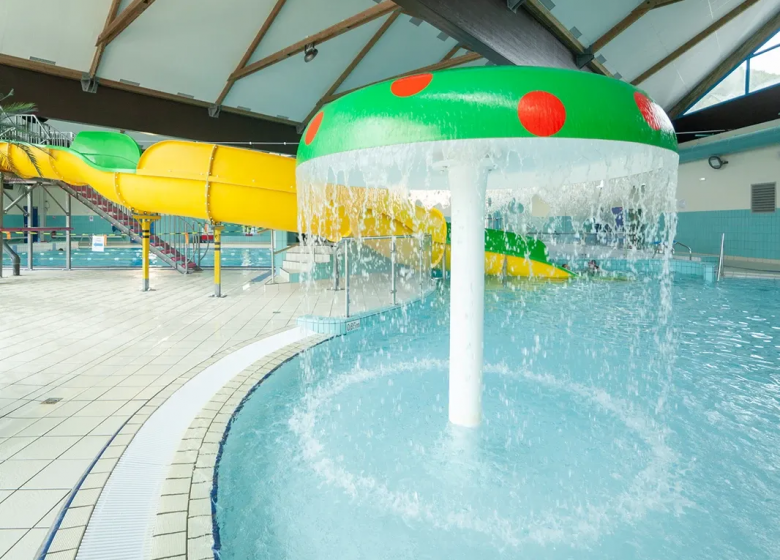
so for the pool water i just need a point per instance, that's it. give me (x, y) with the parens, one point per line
(128, 257)
(615, 427)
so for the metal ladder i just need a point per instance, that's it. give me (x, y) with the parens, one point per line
(180, 253)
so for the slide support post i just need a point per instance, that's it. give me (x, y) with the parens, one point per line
(218, 260)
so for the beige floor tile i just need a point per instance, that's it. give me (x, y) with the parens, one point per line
(86, 448)
(27, 546)
(24, 508)
(60, 474)
(11, 446)
(100, 408)
(13, 474)
(9, 538)
(76, 426)
(46, 447)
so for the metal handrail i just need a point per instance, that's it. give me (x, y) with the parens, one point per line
(393, 239)
(720, 258)
(28, 128)
(690, 252)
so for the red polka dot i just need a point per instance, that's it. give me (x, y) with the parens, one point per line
(406, 87)
(541, 113)
(314, 126)
(653, 115)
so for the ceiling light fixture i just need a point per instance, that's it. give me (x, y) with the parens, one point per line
(310, 52)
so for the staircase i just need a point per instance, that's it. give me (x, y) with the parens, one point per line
(121, 218)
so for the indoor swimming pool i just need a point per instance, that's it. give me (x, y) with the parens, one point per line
(621, 420)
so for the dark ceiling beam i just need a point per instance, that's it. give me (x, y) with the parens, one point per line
(688, 45)
(251, 49)
(348, 70)
(58, 95)
(441, 65)
(491, 29)
(123, 21)
(635, 15)
(364, 17)
(727, 65)
(581, 56)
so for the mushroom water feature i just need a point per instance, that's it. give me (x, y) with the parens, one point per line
(569, 138)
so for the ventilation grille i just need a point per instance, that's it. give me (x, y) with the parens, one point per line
(763, 197)
(415, 21)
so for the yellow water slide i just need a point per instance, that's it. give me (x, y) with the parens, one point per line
(222, 184)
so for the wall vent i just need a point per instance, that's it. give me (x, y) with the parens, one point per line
(600, 59)
(763, 198)
(576, 33)
(187, 95)
(43, 60)
(247, 109)
(415, 21)
(617, 76)
(549, 4)
(128, 82)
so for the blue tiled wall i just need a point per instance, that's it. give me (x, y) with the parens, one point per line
(748, 234)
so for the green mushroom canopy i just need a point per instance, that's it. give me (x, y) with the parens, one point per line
(487, 103)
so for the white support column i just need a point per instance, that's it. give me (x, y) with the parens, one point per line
(467, 292)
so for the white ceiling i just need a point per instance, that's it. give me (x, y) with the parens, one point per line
(660, 32)
(191, 47)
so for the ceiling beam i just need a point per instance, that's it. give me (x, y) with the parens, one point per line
(331, 32)
(252, 48)
(119, 24)
(452, 52)
(442, 65)
(732, 61)
(541, 14)
(693, 42)
(57, 93)
(101, 47)
(627, 22)
(345, 74)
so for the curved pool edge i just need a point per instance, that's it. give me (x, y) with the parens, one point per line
(118, 492)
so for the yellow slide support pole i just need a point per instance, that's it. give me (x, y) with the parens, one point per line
(218, 261)
(146, 226)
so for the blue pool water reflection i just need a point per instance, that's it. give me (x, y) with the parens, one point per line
(126, 257)
(614, 428)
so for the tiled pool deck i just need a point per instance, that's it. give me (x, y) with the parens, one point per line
(110, 354)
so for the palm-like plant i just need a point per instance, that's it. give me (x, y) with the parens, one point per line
(13, 131)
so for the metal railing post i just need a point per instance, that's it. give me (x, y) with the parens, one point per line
(422, 266)
(29, 225)
(346, 277)
(720, 260)
(335, 266)
(69, 225)
(393, 290)
(273, 256)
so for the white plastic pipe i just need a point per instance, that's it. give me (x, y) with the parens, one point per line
(467, 292)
